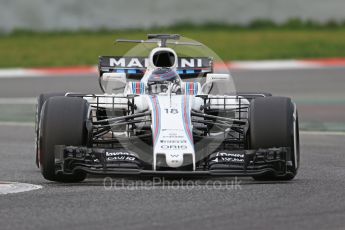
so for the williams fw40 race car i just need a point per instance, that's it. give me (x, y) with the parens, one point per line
(169, 107)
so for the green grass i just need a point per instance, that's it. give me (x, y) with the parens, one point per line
(83, 48)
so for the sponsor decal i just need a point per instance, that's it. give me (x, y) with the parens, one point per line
(174, 147)
(142, 62)
(229, 157)
(173, 141)
(120, 156)
(172, 136)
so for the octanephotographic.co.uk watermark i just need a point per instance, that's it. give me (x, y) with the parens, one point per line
(110, 184)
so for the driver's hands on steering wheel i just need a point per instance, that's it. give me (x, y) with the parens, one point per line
(175, 88)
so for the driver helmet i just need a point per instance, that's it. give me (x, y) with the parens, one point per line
(160, 80)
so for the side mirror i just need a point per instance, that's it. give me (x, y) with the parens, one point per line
(114, 77)
(113, 82)
(213, 78)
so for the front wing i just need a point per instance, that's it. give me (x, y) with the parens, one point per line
(69, 159)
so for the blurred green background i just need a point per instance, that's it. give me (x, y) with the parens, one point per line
(257, 41)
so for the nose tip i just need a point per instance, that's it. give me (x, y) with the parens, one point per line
(174, 160)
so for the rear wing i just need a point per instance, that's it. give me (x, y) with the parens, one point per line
(135, 67)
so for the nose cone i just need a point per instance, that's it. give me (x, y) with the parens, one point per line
(174, 160)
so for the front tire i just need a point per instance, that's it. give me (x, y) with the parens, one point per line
(62, 123)
(274, 123)
(40, 102)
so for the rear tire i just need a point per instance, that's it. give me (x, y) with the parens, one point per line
(40, 102)
(62, 123)
(274, 123)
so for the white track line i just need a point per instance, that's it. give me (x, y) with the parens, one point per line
(323, 133)
(46, 72)
(19, 124)
(272, 65)
(40, 75)
(14, 187)
(18, 101)
(15, 73)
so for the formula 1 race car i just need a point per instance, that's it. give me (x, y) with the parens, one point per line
(169, 107)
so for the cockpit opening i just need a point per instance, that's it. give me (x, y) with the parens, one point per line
(164, 59)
